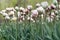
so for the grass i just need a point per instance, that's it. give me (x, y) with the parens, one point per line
(30, 31)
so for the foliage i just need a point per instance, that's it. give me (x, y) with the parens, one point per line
(30, 31)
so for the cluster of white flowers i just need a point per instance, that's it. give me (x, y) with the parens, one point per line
(42, 10)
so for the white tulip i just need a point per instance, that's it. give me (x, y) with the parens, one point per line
(53, 6)
(49, 19)
(59, 6)
(42, 16)
(55, 2)
(31, 19)
(29, 7)
(19, 14)
(11, 13)
(11, 8)
(7, 8)
(44, 4)
(21, 18)
(16, 7)
(7, 17)
(28, 18)
(14, 18)
(3, 11)
(0, 12)
(52, 14)
(41, 9)
(38, 5)
(4, 14)
(56, 11)
(21, 8)
(14, 10)
(34, 13)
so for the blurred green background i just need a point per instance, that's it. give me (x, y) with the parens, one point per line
(9, 3)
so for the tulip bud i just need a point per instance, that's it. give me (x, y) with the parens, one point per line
(58, 0)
